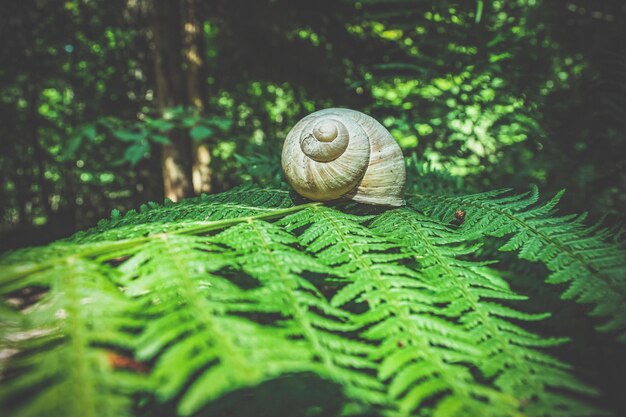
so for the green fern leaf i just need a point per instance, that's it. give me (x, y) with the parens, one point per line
(59, 364)
(473, 295)
(191, 324)
(265, 252)
(576, 254)
(184, 304)
(397, 324)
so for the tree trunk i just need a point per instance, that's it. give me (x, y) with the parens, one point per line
(194, 47)
(177, 157)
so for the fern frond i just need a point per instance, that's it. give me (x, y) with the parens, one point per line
(192, 328)
(420, 353)
(21, 264)
(265, 252)
(58, 363)
(146, 260)
(475, 296)
(576, 254)
(248, 287)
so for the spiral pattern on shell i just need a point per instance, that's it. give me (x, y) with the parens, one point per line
(336, 153)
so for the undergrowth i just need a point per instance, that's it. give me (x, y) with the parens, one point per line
(175, 309)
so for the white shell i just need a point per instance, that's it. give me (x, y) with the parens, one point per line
(342, 153)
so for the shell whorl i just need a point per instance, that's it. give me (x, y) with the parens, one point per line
(327, 141)
(335, 153)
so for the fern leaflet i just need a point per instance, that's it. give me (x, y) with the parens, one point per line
(420, 353)
(475, 296)
(576, 254)
(59, 363)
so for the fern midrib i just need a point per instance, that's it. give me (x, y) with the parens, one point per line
(241, 207)
(473, 300)
(365, 264)
(82, 399)
(119, 245)
(584, 262)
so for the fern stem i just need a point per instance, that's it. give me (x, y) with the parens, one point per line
(20, 271)
(223, 224)
(82, 395)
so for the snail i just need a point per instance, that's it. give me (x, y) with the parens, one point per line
(342, 153)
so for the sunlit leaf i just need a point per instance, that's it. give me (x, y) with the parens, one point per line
(200, 132)
(136, 152)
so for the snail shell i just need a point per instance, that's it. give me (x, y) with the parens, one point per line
(342, 153)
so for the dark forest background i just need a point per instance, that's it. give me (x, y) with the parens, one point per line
(108, 105)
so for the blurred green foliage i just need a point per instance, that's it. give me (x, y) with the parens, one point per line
(479, 94)
(142, 136)
(491, 93)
